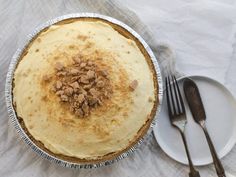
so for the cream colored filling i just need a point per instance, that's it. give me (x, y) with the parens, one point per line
(59, 130)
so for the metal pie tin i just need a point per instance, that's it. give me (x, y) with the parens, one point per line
(9, 94)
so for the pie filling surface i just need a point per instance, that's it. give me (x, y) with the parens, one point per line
(84, 90)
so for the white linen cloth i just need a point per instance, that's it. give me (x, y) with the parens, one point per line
(202, 33)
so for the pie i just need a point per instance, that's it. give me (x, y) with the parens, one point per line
(85, 90)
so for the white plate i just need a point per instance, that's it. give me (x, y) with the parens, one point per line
(220, 108)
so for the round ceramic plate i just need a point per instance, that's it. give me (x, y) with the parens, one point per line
(220, 108)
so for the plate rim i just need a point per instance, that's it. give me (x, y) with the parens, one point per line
(227, 148)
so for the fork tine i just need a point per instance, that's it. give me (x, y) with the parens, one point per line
(171, 95)
(180, 97)
(177, 95)
(168, 98)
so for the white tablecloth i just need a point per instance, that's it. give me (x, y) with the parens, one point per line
(201, 32)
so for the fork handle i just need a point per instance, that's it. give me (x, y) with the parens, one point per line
(193, 172)
(218, 166)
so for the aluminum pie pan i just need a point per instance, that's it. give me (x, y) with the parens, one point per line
(9, 98)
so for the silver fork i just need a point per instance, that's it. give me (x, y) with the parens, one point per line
(176, 111)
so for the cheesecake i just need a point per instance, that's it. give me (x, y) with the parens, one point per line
(85, 90)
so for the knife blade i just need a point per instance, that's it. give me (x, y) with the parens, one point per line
(194, 100)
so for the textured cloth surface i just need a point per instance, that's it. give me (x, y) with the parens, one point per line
(202, 33)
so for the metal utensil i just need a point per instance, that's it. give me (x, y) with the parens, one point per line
(177, 116)
(196, 107)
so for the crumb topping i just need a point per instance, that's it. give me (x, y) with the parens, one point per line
(133, 85)
(82, 85)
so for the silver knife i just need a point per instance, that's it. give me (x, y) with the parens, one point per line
(196, 107)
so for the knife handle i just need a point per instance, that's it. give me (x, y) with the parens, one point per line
(194, 174)
(218, 166)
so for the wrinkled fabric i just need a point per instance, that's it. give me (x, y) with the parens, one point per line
(198, 37)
